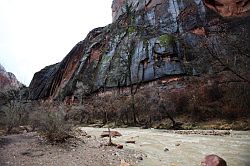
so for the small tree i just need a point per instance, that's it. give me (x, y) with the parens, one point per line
(164, 111)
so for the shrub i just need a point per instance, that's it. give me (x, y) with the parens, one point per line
(35, 119)
(78, 114)
(237, 100)
(13, 115)
(53, 126)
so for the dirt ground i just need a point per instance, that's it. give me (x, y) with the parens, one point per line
(30, 149)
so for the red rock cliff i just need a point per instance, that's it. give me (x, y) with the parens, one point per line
(153, 39)
(8, 80)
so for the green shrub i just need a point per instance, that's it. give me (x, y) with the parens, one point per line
(166, 39)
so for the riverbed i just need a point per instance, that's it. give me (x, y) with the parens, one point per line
(168, 148)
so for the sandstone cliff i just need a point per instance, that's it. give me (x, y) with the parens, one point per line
(8, 80)
(152, 39)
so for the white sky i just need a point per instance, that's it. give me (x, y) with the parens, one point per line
(38, 33)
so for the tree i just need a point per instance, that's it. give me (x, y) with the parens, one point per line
(127, 60)
(164, 112)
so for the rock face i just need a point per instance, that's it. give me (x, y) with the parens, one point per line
(151, 39)
(8, 80)
(229, 7)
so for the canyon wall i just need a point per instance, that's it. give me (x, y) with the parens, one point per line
(150, 40)
(8, 80)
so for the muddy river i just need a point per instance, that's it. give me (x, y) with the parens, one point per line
(168, 148)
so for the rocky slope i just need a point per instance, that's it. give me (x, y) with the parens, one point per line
(152, 39)
(8, 80)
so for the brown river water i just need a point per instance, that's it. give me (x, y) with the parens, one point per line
(167, 148)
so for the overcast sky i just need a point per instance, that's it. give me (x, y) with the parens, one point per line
(37, 33)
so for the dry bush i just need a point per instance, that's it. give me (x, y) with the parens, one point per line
(14, 115)
(54, 127)
(200, 101)
(147, 101)
(219, 101)
(236, 101)
(79, 114)
(101, 108)
(181, 103)
(123, 111)
(50, 120)
(35, 119)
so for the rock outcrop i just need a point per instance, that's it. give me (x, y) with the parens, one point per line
(152, 39)
(229, 8)
(8, 80)
(213, 160)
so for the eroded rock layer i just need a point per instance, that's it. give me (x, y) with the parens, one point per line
(152, 39)
(8, 80)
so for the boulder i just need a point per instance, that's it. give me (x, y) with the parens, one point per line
(118, 146)
(213, 160)
(177, 144)
(112, 133)
(166, 149)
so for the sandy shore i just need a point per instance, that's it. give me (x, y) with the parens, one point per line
(30, 149)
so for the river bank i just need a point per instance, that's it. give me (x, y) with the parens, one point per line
(29, 149)
(141, 147)
(181, 148)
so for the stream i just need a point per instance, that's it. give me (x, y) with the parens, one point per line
(163, 147)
